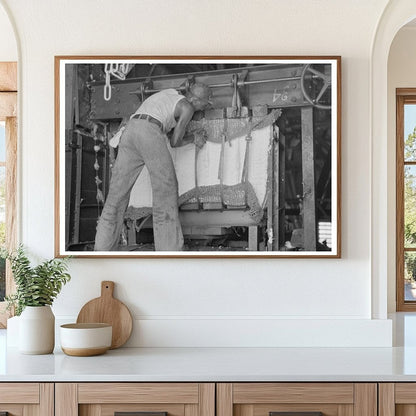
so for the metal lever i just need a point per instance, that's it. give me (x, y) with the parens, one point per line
(295, 414)
(139, 414)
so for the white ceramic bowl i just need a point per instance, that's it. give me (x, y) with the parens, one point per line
(84, 340)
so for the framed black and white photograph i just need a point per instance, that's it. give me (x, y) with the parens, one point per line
(198, 156)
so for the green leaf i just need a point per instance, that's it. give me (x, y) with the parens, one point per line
(35, 286)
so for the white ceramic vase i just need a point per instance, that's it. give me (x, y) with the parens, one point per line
(37, 330)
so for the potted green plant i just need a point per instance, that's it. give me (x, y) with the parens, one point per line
(36, 289)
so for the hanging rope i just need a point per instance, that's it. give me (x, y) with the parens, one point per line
(116, 70)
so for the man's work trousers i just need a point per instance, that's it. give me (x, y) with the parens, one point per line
(142, 143)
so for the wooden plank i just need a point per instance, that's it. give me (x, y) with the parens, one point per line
(8, 76)
(345, 410)
(365, 403)
(190, 410)
(341, 393)
(253, 238)
(69, 150)
(204, 231)
(24, 393)
(66, 399)
(138, 393)
(206, 399)
(281, 197)
(386, 399)
(405, 410)
(30, 410)
(405, 91)
(246, 410)
(90, 410)
(8, 105)
(47, 399)
(78, 165)
(308, 175)
(272, 187)
(405, 393)
(131, 232)
(224, 399)
(216, 218)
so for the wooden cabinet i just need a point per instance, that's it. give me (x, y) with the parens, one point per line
(27, 399)
(106, 399)
(208, 399)
(297, 399)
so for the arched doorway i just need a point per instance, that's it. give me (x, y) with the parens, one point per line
(395, 16)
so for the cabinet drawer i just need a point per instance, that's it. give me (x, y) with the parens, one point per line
(138, 393)
(297, 399)
(146, 399)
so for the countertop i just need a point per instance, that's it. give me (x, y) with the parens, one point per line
(222, 364)
(215, 364)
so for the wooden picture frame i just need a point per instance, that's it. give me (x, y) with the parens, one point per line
(266, 184)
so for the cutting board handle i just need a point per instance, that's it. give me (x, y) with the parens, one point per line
(107, 289)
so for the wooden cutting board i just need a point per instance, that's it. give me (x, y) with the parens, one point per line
(107, 309)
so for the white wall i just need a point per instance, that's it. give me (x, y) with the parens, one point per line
(401, 74)
(212, 302)
(8, 46)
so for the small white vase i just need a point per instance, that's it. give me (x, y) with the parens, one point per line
(37, 330)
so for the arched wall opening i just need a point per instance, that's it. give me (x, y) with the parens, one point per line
(401, 73)
(396, 15)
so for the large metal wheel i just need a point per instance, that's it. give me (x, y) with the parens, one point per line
(316, 86)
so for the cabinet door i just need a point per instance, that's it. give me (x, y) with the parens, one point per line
(297, 399)
(141, 399)
(397, 399)
(26, 399)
